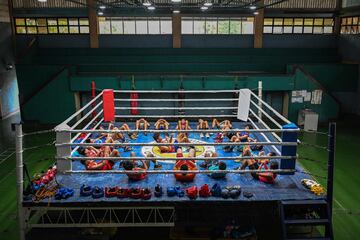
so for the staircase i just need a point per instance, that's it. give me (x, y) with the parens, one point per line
(306, 219)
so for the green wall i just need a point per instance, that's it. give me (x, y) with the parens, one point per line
(168, 68)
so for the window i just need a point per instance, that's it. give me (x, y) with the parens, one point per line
(135, 25)
(51, 25)
(298, 25)
(350, 25)
(217, 25)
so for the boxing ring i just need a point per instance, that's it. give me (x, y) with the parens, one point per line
(271, 130)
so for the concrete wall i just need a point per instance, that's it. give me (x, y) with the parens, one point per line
(8, 82)
(299, 41)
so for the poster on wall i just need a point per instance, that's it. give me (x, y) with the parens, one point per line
(316, 97)
(297, 100)
(307, 98)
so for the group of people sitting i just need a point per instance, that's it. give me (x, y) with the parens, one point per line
(182, 164)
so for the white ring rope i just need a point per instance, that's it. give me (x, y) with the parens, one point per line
(179, 144)
(266, 114)
(272, 109)
(177, 108)
(265, 137)
(180, 100)
(82, 109)
(86, 115)
(176, 91)
(175, 116)
(86, 126)
(179, 131)
(180, 171)
(175, 158)
(266, 126)
(87, 135)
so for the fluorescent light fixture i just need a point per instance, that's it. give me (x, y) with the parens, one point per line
(100, 13)
(176, 11)
(208, 4)
(151, 8)
(102, 7)
(256, 13)
(146, 4)
(204, 8)
(42, 1)
(252, 7)
(176, 1)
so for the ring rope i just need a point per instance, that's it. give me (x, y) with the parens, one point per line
(180, 171)
(83, 108)
(176, 91)
(38, 132)
(176, 116)
(88, 125)
(86, 115)
(272, 109)
(173, 158)
(180, 100)
(177, 131)
(266, 126)
(265, 113)
(176, 108)
(178, 144)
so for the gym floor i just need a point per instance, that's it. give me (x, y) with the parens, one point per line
(346, 204)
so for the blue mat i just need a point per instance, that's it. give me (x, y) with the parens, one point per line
(286, 187)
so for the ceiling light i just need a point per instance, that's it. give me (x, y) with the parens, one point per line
(208, 4)
(42, 1)
(252, 7)
(176, 1)
(100, 13)
(102, 7)
(256, 13)
(176, 11)
(146, 4)
(204, 8)
(151, 8)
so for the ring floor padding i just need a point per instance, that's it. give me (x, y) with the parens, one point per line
(286, 187)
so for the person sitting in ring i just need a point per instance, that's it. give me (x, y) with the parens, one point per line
(142, 124)
(132, 165)
(185, 165)
(104, 151)
(203, 124)
(127, 128)
(165, 149)
(162, 124)
(216, 166)
(221, 125)
(207, 162)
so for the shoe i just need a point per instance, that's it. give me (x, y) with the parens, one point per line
(225, 193)
(158, 191)
(216, 190)
(179, 192)
(201, 135)
(111, 191)
(98, 192)
(192, 192)
(204, 191)
(86, 191)
(146, 193)
(234, 191)
(207, 135)
(123, 193)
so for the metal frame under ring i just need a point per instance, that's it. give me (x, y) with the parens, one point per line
(180, 171)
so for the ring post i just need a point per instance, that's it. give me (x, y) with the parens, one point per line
(330, 177)
(260, 93)
(19, 179)
(289, 150)
(108, 105)
(63, 135)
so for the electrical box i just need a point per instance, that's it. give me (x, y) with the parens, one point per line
(308, 119)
